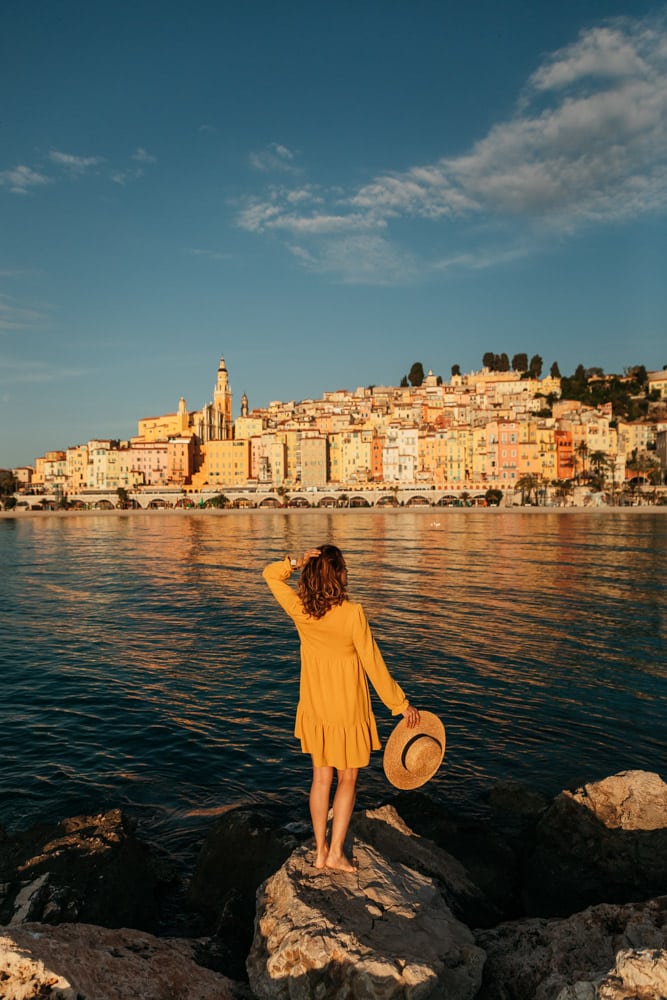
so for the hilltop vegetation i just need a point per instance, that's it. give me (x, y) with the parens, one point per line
(628, 393)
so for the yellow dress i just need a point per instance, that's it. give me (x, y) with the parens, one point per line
(334, 719)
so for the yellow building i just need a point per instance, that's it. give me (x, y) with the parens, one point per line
(226, 464)
(432, 451)
(356, 455)
(658, 381)
(51, 471)
(168, 425)
(77, 467)
(314, 462)
(249, 426)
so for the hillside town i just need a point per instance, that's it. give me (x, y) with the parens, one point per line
(497, 431)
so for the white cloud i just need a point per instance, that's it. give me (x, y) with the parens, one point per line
(587, 145)
(141, 156)
(600, 52)
(74, 164)
(274, 157)
(360, 260)
(21, 179)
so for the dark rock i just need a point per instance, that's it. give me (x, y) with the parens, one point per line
(245, 847)
(384, 829)
(550, 959)
(492, 860)
(605, 842)
(83, 962)
(87, 869)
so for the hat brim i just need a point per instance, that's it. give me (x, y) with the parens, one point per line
(401, 736)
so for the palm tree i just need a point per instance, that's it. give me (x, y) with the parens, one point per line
(599, 464)
(582, 451)
(563, 490)
(528, 484)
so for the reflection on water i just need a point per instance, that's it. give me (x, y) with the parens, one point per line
(145, 663)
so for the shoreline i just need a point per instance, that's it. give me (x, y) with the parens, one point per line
(300, 511)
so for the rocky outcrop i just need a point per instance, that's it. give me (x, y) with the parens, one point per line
(604, 842)
(246, 845)
(80, 962)
(384, 829)
(382, 932)
(89, 869)
(398, 927)
(490, 848)
(638, 974)
(537, 959)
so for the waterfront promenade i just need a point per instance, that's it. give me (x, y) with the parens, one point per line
(339, 498)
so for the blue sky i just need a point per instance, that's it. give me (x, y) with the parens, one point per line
(323, 193)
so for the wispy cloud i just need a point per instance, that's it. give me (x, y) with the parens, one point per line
(143, 156)
(75, 165)
(360, 260)
(14, 371)
(22, 179)
(587, 145)
(15, 316)
(210, 254)
(274, 157)
(133, 173)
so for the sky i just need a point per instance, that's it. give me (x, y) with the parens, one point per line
(322, 193)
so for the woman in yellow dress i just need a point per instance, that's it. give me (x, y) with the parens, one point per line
(334, 718)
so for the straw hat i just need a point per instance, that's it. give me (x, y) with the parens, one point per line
(412, 756)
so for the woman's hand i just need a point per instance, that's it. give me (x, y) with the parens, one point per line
(306, 557)
(411, 716)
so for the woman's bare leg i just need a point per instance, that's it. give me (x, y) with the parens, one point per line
(343, 806)
(320, 790)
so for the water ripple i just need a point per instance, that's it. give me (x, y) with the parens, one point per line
(145, 664)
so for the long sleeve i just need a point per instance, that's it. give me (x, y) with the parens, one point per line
(389, 692)
(276, 574)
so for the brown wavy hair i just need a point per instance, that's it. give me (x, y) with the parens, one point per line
(323, 583)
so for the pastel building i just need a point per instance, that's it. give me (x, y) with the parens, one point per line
(314, 460)
(226, 463)
(76, 459)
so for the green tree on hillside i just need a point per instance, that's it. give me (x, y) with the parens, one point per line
(416, 374)
(535, 367)
(520, 363)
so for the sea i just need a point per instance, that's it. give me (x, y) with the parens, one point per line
(146, 666)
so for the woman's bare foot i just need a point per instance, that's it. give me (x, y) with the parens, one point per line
(321, 858)
(339, 863)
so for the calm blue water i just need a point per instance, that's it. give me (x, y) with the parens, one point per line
(145, 665)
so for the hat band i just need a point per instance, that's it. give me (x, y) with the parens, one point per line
(417, 753)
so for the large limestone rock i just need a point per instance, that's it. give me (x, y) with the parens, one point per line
(384, 829)
(382, 932)
(638, 974)
(605, 842)
(540, 959)
(80, 962)
(88, 869)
